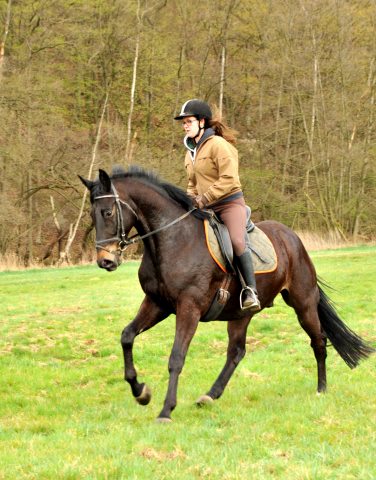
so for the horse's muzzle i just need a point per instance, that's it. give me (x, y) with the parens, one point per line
(108, 261)
(107, 264)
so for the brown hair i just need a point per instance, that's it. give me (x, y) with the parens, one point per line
(221, 129)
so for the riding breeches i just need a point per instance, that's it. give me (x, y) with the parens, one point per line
(233, 215)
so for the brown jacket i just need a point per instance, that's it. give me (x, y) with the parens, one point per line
(214, 170)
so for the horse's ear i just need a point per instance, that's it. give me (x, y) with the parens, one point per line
(88, 183)
(105, 180)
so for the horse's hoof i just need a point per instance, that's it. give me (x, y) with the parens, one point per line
(204, 400)
(145, 396)
(163, 420)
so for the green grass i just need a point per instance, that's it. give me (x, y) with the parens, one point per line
(66, 413)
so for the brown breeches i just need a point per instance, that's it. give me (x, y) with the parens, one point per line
(233, 215)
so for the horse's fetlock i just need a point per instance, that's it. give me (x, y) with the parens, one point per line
(129, 378)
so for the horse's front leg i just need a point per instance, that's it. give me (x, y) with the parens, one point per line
(149, 314)
(237, 331)
(187, 318)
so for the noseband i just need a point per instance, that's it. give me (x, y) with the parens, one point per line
(121, 237)
(123, 240)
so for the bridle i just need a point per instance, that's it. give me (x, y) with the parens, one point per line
(121, 237)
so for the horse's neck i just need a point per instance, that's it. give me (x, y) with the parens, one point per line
(154, 209)
(160, 249)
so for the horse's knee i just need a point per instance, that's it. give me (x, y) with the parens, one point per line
(175, 367)
(236, 352)
(176, 362)
(240, 353)
(127, 337)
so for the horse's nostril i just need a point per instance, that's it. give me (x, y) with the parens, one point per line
(107, 264)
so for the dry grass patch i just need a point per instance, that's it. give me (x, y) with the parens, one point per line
(160, 455)
(330, 240)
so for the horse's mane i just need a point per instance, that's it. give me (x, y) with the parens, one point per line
(165, 188)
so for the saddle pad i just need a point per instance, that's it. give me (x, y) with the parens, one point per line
(263, 253)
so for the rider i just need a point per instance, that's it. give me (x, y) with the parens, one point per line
(211, 162)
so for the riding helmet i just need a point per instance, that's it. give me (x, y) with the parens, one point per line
(195, 108)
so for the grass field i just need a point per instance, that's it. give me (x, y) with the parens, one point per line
(66, 413)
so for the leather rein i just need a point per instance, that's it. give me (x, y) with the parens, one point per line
(123, 240)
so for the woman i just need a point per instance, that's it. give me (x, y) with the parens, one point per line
(211, 162)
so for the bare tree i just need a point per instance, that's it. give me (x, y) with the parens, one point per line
(64, 258)
(140, 15)
(222, 80)
(134, 80)
(4, 38)
(360, 197)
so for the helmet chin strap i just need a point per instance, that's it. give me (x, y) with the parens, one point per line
(199, 130)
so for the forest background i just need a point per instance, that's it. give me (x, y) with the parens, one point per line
(87, 84)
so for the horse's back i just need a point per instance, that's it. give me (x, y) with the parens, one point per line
(293, 259)
(281, 235)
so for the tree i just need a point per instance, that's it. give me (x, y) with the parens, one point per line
(295, 78)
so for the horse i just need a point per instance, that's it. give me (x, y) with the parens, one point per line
(179, 276)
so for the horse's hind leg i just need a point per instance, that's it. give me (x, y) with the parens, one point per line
(149, 314)
(237, 331)
(305, 307)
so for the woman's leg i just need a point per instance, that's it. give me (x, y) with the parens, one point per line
(233, 215)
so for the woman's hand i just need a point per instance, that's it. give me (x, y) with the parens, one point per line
(200, 201)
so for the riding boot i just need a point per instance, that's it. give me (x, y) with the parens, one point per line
(248, 296)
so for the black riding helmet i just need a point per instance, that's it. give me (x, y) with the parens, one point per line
(195, 108)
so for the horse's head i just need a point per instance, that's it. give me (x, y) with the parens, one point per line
(113, 218)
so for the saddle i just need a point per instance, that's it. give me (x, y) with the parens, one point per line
(220, 247)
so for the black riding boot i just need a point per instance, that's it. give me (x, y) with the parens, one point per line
(248, 296)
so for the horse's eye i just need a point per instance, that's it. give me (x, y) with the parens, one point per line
(107, 213)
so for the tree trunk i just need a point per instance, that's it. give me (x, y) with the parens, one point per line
(222, 80)
(29, 247)
(128, 149)
(4, 39)
(73, 229)
(367, 141)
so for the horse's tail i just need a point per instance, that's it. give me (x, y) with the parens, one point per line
(347, 343)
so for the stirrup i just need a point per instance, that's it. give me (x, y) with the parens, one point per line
(255, 306)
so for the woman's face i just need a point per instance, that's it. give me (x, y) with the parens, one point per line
(191, 126)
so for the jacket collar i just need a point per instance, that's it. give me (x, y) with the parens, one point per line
(192, 146)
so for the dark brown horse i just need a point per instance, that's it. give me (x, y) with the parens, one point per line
(179, 276)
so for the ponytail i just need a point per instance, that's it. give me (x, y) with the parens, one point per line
(223, 130)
